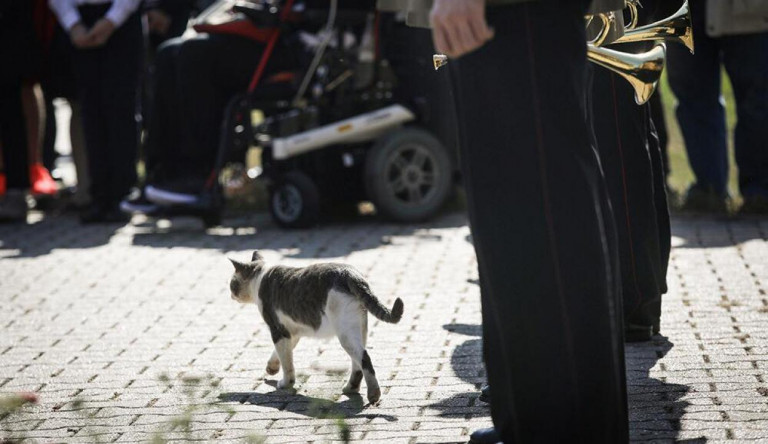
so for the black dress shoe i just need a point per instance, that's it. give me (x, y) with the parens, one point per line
(485, 393)
(637, 333)
(485, 436)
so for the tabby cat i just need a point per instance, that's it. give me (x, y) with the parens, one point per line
(321, 301)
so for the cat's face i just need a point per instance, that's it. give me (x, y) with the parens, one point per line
(240, 283)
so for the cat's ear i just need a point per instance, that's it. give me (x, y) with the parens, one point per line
(240, 267)
(256, 256)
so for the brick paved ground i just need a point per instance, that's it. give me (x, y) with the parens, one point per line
(98, 314)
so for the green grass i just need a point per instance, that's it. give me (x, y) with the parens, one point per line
(681, 175)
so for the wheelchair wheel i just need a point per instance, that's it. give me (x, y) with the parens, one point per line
(294, 201)
(408, 175)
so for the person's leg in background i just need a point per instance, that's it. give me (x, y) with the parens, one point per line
(167, 21)
(746, 60)
(163, 133)
(212, 68)
(13, 144)
(59, 82)
(86, 64)
(41, 182)
(121, 65)
(622, 131)
(551, 318)
(107, 79)
(82, 196)
(49, 154)
(695, 81)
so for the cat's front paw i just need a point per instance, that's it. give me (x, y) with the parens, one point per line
(273, 367)
(286, 383)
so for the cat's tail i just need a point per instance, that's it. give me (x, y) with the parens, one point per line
(374, 306)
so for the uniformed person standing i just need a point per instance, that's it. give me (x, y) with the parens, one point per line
(631, 158)
(540, 219)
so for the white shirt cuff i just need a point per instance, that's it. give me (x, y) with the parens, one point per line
(69, 19)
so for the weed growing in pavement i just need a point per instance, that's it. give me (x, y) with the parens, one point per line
(12, 406)
(326, 409)
(194, 389)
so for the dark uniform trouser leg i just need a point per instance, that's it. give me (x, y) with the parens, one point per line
(108, 80)
(631, 159)
(538, 214)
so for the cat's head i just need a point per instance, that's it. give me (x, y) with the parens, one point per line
(243, 277)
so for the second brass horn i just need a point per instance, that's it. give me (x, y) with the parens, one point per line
(642, 71)
(675, 28)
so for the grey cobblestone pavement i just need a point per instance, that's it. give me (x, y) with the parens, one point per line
(92, 317)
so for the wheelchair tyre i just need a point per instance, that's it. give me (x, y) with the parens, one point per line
(294, 201)
(408, 175)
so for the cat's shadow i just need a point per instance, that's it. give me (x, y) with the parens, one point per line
(351, 406)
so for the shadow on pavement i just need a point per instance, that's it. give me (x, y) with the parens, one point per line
(325, 241)
(351, 407)
(467, 364)
(328, 240)
(38, 239)
(655, 406)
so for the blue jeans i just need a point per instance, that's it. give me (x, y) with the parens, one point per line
(695, 80)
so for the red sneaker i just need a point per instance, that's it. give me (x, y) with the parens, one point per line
(42, 182)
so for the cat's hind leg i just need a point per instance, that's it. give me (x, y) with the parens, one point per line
(356, 373)
(284, 350)
(273, 365)
(361, 365)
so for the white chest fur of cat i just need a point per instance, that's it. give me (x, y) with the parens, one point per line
(320, 301)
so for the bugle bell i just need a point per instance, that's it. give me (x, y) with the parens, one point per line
(675, 28)
(642, 71)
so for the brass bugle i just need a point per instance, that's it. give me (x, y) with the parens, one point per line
(612, 25)
(675, 28)
(609, 31)
(642, 71)
(632, 6)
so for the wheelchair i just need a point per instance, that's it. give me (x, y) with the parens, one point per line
(349, 125)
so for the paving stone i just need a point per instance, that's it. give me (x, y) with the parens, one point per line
(99, 313)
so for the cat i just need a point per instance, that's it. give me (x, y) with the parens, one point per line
(321, 300)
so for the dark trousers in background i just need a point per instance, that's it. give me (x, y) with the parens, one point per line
(107, 79)
(194, 80)
(13, 135)
(19, 61)
(695, 80)
(542, 230)
(631, 160)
